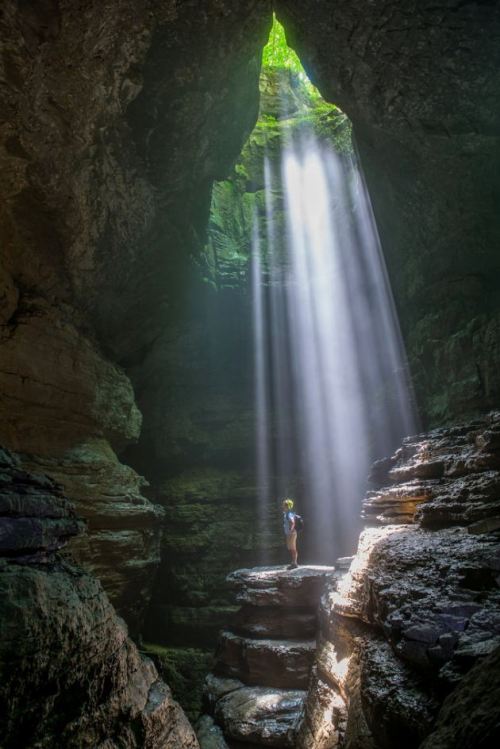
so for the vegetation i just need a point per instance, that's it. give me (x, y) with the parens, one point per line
(291, 111)
(184, 670)
(277, 53)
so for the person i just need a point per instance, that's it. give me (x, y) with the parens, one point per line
(290, 531)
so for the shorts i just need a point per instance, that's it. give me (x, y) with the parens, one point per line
(291, 541)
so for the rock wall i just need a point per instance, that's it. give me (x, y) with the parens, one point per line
(70, 676)
(419, 607)
(420, 83)
(117, 116)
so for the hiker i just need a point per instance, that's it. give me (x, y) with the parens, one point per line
(289, 526)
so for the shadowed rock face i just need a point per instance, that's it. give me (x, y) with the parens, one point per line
(69, 674)
(117, 116)
(420, 83)
(470, 715)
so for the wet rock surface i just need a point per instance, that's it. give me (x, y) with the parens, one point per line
(470, 716)
(264, 716)
(257, 691)
(449, 476)
(418, 611)
(70, 676)
(272, 622)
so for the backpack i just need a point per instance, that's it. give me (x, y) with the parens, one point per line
(299, 522)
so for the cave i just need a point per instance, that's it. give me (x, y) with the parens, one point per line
(248, 256)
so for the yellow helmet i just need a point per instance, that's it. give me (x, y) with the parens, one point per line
(288, 503)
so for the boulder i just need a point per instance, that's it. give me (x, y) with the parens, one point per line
(209, 734)
(261, 715)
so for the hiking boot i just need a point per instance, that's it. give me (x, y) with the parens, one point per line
(292, 566)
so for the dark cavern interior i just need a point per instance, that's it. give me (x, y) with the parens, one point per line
(250, 281)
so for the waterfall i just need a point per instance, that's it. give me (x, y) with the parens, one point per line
(332, 385)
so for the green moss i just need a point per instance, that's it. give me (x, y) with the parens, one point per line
(290, 110)
(184, 670)
(277, 52)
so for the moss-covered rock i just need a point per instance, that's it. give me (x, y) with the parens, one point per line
(290, 108)
(184, 669)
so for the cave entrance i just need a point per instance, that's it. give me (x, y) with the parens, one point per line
(292, 229)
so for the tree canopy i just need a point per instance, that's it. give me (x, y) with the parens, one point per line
(277, 53)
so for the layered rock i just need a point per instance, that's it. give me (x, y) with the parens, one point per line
(121, 547)
(263, 662)
(64, 405)
(70, 675)
(450, 476)
(420, 604)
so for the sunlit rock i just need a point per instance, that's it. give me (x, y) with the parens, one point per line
(419, 605)
(276, 586)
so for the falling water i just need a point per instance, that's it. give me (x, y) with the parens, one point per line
(333, 371)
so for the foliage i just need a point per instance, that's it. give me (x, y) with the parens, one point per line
(277, 53)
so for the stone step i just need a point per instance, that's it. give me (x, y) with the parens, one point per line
(255, 716)
(271, 663)
(278, 586)
(281, 623)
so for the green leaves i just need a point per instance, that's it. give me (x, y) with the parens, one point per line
(277, 53)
